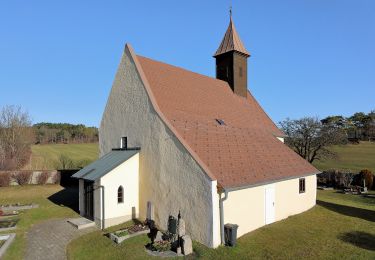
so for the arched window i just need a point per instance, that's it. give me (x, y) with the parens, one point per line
(120, 194)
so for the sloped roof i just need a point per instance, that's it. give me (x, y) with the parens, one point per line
(105, 164)
(242, 151)
(231, 42)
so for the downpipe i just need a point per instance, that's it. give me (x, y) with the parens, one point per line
(221, 209)
(103, 218)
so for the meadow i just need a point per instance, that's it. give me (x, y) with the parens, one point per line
(354, 157)
(46, 156)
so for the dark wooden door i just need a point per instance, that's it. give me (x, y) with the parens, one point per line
(89, 200)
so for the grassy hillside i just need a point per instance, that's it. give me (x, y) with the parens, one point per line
(352, 156)
(45, 156)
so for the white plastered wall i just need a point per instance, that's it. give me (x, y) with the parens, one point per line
(168, 175)
(127, 176)
(246, 207)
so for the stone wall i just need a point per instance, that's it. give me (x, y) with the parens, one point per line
(53, 176)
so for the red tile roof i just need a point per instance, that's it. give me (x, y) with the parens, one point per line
(244, 150)
(231, 42)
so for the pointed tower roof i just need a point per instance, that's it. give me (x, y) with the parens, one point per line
(231, 42)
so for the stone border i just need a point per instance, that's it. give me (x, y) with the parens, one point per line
(10, 228)
(21, 207)
(119, 240)
(7, 243)
(164, 254)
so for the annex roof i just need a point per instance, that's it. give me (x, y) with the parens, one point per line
(231, 42)
(105, 164)
(241, 150)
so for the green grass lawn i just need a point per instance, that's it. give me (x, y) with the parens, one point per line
(339, 227)
(48, 209)
(351, 156)
(45, 156)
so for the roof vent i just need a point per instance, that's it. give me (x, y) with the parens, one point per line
(220, 121)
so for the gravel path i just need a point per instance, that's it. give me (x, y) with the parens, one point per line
(48, 240)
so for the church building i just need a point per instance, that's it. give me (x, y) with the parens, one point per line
(174, 140)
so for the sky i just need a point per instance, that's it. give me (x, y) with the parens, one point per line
(58, 59)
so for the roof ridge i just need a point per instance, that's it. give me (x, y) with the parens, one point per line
(181, 68)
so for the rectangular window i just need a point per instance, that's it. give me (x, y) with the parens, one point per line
(240, 72)
(124, 143)
(302, 185)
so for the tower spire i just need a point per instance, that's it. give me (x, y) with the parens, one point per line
(231, 41)
(231, 60)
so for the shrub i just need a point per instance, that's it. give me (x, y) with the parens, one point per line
(336, 178)
(162, 246)
(22, 177)
(64, 162)
(368, 177)
(56, 178)
(4, 179)
(82, 163)
(42, 178)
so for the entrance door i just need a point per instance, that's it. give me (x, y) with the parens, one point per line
(89, 199)
(269, 204)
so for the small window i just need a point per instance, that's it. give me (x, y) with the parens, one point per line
(124, 142)
(240, 71)
(220, 121)
(120, 195)
(302, 185)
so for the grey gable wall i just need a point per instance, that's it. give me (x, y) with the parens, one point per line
(169, 177)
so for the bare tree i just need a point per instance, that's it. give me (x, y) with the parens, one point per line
(310, 138)
(16, 137)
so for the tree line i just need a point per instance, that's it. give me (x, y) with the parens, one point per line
(17, 134)
(64, 133)
(359, 126)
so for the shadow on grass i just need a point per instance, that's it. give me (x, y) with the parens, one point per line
(360, 239)
(365, 214)
(68, 197)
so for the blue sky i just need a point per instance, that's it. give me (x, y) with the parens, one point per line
(309, 57)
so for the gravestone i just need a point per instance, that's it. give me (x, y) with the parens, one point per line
(187, 245)
(172, 225)
(150, 210)
(159, 237)
(181, 227)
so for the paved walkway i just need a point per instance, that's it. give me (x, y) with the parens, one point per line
(48, 240)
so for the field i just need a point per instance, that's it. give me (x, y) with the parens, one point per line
(46, 156)
(353, 157)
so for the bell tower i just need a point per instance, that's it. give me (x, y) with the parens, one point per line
(231, 61)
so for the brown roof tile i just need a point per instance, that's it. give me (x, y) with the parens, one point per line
(242, 152)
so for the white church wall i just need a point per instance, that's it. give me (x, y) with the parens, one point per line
(246, 207)
(127, 176)
(169, 177)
